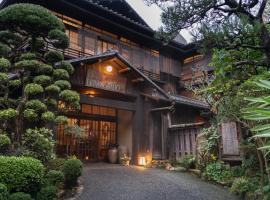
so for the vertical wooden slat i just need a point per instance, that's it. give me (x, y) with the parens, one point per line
(176, 146)
(187, 137)
(193, 140)
(182, 138)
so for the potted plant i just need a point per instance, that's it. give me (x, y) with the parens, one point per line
(125, 160)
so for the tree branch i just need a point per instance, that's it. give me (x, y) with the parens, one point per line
(261, 9)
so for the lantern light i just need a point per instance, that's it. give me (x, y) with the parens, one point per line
(109, 68)
(142, 161)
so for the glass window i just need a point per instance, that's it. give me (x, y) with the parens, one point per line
(75, 38)
(104, 46)
(89, 44)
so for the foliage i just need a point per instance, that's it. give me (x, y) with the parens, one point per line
(20, 196)
(31, 95)
(38, 143)
(3, 192)
(238, 171)
(56, 164)
(187, 162)
(54, 177)
(242, 185)
(72, 170)
(21, 174)
(217, 172)
(258, 111)
(209, 147)
(218, 24)
(73, 130)
(47, 193)
(4, 143)
(7, 114)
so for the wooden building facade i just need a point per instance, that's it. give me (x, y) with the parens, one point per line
(129, 82)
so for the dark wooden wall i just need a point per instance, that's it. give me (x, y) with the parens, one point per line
(88, 38)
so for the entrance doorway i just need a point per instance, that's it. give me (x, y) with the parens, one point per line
(98, 133)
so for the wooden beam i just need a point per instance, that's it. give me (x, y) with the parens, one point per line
(137, 80)
(179, 126)
(99, 101)
(124, 70)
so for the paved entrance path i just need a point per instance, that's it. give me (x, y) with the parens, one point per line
(115, 182)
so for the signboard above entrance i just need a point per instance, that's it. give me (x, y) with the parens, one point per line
(98, 78)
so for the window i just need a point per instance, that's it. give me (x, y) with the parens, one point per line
(75, 38)
(89, 44)
(167, 64)
(104, 46)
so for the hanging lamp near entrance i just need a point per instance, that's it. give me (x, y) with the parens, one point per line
(109, 68)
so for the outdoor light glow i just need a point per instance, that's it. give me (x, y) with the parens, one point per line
(142, 161)
(109, 68)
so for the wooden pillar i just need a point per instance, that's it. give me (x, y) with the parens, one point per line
(137, 132)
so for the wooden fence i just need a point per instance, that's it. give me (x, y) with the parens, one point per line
(182, 141)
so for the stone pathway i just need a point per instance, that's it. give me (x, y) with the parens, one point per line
(114, 182)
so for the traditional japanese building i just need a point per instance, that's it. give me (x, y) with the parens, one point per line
(130, 83)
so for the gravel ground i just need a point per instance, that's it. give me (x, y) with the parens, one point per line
(115, 182)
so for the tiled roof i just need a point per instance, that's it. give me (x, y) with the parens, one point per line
(108, 7)
(188, 101)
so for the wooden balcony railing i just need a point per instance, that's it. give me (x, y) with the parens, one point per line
(72, 53)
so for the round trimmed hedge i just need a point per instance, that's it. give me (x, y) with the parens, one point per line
(21, 174)
(72, 170)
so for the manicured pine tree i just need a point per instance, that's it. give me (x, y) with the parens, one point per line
(34, 90)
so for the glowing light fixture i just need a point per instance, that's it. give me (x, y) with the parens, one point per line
(142, 161)
(109, 68)
(91, 94)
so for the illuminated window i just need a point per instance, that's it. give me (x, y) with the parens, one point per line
(74, 38)
(104, 46)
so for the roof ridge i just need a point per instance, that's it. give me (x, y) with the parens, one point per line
(119, 14)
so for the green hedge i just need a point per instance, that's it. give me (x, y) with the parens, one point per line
(21, 174)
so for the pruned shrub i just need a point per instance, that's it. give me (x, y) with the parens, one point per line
(20, 196)
(54, 177)
(3, 192)
(38, 143)
(47, 193)
(21, 174)
(72, 171)
(54, 56)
